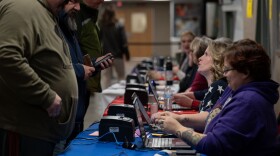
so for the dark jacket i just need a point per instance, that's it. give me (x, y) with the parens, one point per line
(89, 40)
(186, 82)
(114, 40)
(77, 61)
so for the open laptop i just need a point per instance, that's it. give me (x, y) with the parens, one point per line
(139, 77)
(174, 106)
(156, 143)
(136, 100)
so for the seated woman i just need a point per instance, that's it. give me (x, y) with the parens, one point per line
(197, 49)
(197, 90)
(185, 42)
(246, 124)
(184, 67)
(210, 66)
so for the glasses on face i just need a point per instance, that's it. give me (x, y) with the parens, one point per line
(73, 1)
(227, 69)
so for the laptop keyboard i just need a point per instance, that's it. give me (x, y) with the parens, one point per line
(155, 127)
(162, 142)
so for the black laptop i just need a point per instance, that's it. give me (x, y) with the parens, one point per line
(136, 100)
(156, 143)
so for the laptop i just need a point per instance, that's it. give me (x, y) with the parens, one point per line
(156, 143)
(174, 106)
(136, 100)
(139, 77)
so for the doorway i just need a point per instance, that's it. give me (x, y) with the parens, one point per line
(138, 25)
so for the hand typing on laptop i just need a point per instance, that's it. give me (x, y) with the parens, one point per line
(154, 143)
(157, 116)
(169, 124)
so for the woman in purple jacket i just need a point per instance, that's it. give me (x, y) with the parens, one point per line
(246, 124)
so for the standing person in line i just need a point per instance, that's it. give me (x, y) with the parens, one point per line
(83, 72)
(246, 124)
(89, 41)
(113, 40)
(38, 88)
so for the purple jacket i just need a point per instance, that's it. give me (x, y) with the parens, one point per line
(246, 124)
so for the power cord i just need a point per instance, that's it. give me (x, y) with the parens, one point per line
(89, 143)
(129, 145)
(96, 139)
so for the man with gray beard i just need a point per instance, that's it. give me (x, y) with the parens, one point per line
(83, 72)
(68, 25)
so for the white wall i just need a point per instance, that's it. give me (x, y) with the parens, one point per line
(236, 8)
(210, 18)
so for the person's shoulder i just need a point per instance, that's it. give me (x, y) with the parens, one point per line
(29, 4)
(18, 6)
(22, 10)
(221, 82)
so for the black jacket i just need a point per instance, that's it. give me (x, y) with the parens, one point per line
(114, 40)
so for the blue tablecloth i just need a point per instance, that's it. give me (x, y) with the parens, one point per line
(86, 145)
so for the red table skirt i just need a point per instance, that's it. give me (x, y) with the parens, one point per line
(120, 100)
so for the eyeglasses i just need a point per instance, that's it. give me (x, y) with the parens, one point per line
(73, 1)
(225, 70)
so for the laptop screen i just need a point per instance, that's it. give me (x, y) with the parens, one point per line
(153, 90)
(139, 118)
(166, 144)
(140, 79)
(137, 101)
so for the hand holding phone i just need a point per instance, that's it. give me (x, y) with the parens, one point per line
(97, 64)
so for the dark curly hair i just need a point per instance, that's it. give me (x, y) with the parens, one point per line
(249, 57)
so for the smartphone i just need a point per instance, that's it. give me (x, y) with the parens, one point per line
(98, 63)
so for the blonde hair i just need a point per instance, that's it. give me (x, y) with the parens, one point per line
(199, 45)
(217, 49)
(188, 33)
(224, 40)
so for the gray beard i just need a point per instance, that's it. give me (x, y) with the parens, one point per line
(72, 23)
